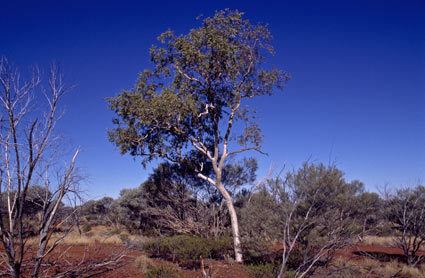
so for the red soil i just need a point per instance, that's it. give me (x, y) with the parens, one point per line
(359, 251)
(79, 257)
(64, 256)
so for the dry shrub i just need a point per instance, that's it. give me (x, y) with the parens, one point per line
(378, 240)
(144, 264)
(365, 267)
(97, 234)
(164, 271)
(348, 269)
(411, 272)
(124, 236)
(386, 241)
(370, 262)
(390, 269)
(397, 269)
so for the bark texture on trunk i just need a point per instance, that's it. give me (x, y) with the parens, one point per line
(234, 221)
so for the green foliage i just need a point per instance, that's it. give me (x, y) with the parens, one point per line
(86, 228)
(317, 190)
(174, 201)
(169, 198)
(198, 80)
(97, 212)
(240, 173)
(185, 109)
(36, 197)
(183, 248)
(325, 186)
(124, 236)
(370, 212)
(163, 271)
(163, 203)
(314, 206)
(91, 218)
(261, 223)
(266, 269)
(332, 201)
(407, 213)
(97, 207)
(129, 208)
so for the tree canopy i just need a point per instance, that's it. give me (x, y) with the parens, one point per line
(193, 95)
(186, 107)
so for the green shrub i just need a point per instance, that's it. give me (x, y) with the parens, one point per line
(91, 217)
(256, 250)
(124, 236)
(149, 232)
(266, 270)
(183, 248)
(86, 228)
(220, 248)
(163, 271)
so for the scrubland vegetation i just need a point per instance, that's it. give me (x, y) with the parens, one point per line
(327, 219)
(200, 205)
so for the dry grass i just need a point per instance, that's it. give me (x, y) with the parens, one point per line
(373, 268)
(412, 271)
(394, 268)
(97, 234)
(386, 241)
(144, 263)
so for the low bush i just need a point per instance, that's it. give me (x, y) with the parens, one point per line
(91, 218)
(221, 248)
(346, 273)
(163, 271)
(124, 236)
(144, 264)
(115, 231)
(183, 248)
(257, 250)
(86, 228)
(266, 269)
(369, 267)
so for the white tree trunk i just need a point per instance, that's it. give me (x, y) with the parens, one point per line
(234, 221)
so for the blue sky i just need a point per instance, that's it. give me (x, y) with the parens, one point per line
(357, 94)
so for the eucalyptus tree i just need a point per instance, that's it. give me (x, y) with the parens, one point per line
(194, 99)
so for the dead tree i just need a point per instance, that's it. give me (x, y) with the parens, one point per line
(30, 154)
(407, 213)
